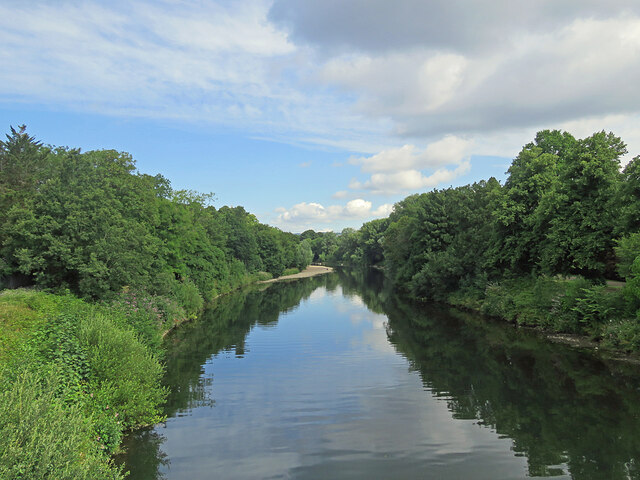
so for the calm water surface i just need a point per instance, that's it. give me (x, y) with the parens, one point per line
(334, 377)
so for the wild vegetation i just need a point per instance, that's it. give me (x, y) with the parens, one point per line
(536, 251)
(74, 378)
(116, 258)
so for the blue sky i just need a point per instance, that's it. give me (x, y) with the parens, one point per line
(319, 114)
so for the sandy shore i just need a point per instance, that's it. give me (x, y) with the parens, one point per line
(310, 271)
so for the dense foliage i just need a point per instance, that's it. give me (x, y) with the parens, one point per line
(536, 250)
(76, 377)
(89, 222)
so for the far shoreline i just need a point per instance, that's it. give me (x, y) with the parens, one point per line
(310, 271)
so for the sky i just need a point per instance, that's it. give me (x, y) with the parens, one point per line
(319, 114)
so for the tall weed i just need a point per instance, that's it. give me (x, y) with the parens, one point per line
(43, 438)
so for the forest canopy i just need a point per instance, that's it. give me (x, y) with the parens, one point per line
(91, 223)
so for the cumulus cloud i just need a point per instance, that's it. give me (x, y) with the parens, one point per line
(447, 151)
(408, 180)
(305, 215)
(401, 170)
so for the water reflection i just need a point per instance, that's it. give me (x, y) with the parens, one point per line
(359, 384)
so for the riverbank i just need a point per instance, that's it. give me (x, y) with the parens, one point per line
(310, 271)
(568, 310)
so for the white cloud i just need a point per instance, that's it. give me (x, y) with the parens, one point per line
(357, 208)
(449, 150)
(307, 215)
(340, 194)
(383, 210)
(194, 62)
(408, 180)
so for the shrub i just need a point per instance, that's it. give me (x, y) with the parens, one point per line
(592, 306)
(42, 438)
(148, 315)
(123, 373)
(188, 296)
(262, 276)
(498, 302)
(622, 334)
(627, 251)
(290, 271)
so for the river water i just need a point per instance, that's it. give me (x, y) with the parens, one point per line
(335, 377)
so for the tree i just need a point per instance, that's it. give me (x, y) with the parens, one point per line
(629, 199)
(304, 254)
(81, 229)
(521, 228)
(372, 237)
(581, 211)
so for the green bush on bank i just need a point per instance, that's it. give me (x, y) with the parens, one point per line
(575, 306)
(262, 276)
(148, 315)
(105, 375)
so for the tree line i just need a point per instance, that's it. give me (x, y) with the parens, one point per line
(566, 213)
(91, 223)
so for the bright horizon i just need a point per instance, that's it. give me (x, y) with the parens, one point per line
(319, 114)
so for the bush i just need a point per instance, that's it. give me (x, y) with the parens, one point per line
(290, 271)
(623, 335)
(42, 438)
(262, 276)
(627, 251)
(572, 306)
(124, 375)
(188, 296)
(498, 302)
(149, 315)
(101, 365)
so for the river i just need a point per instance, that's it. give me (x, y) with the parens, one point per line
(335, 377)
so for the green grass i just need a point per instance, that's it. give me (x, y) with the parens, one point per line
(21, 313)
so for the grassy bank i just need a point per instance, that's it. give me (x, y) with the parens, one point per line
(74, 376)
(606, 314)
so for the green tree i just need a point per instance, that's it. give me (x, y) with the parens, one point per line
(372, 237)
(521, 229)
(81, 229)
(304, 254)
(581, 211)
(629, 199)
(22, 165)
